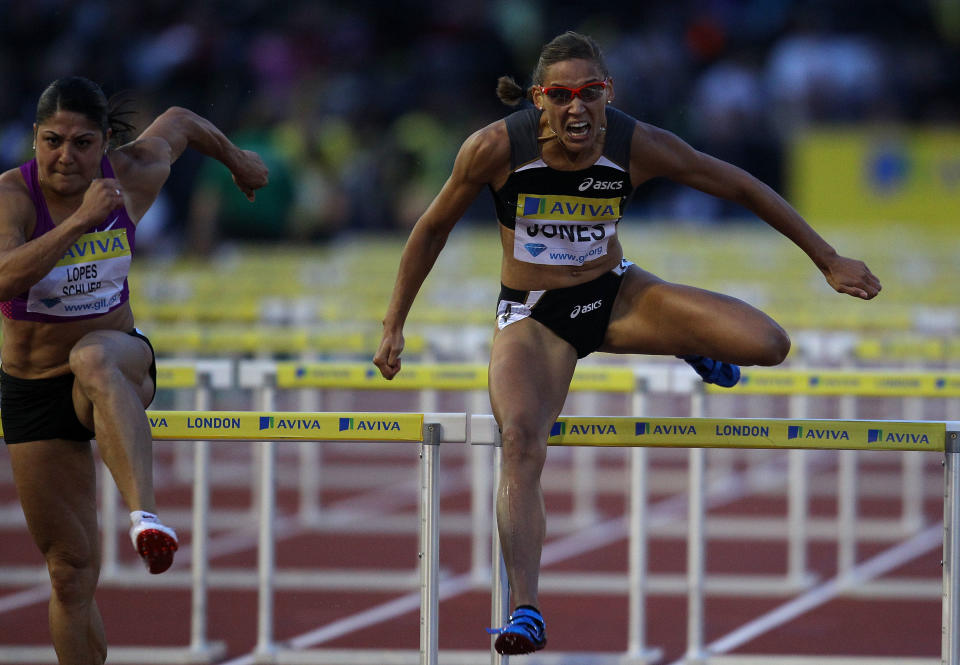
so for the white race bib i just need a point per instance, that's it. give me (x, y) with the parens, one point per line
(88, 279)
(563, 230)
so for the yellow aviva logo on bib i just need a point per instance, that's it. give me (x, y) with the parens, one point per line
(96, 246)
(567, 208)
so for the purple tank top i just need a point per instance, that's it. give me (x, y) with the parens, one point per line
(91, 278)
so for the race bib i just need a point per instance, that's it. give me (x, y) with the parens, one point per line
(563, 230)
(88, 279)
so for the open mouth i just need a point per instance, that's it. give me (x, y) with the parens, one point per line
(578, 130)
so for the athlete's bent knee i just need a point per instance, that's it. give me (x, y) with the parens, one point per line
(72, 580)
(93, 367)
(776, 346)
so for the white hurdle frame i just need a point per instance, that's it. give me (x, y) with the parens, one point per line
(485, 432)
(438, 428)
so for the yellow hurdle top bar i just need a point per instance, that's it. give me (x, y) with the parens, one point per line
(862, 383)
(622, 431)
(749, 433)
(445, 376)
(176, 376)
(285, 426)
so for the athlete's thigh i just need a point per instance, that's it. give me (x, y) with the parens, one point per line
(653, 316)
(530, 373)
(130, 355)
(56, 483)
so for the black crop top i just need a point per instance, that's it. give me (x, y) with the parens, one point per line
(564, 217)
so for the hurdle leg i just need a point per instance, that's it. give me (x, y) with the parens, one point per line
(266, 553)
(429, 543)
(950, 645)
(696, 543)
(310, 458)
(200, 558)
(637, 651)
(499, 584)
(585, 510)
(798, 509)
(847, 499)
(847, 514)
(481, 475)
(912, 518)
(109, 525)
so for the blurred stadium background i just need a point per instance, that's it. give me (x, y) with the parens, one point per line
(849, 108)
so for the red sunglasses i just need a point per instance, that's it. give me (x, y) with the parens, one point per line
(562, 95)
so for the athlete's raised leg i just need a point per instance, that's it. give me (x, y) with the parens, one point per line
(113, 386)
(651, 316)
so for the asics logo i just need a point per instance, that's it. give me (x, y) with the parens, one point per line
(590, 183)
(585, 309)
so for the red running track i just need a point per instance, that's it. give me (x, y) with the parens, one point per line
(139, 613)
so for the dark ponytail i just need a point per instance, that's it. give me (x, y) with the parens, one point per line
(510, 92)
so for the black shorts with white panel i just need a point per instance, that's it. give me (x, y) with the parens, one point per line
(577, 314)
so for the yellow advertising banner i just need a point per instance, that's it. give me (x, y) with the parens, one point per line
(861, 383)
(280, 426)
(444, 376)
(748, 433)
(854, 177)
(176, 376)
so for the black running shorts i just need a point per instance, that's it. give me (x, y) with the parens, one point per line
(42, 409)
(577, 314)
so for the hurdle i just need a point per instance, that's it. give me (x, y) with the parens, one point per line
(268, 429)
(847, 385)
(426, 379)
(200, 377)
(701, 433)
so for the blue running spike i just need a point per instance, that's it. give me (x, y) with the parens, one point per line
(525, 632)
(725, 375)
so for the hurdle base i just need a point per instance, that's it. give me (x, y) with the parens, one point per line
(126, 655)
(454, 657)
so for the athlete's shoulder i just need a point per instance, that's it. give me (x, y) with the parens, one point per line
(14, 191)
(486, 150)
(17, 212)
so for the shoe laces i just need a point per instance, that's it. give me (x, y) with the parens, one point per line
(525, 621)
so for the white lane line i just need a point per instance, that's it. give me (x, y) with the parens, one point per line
(727, 489)
(873, 567)
(24, 598)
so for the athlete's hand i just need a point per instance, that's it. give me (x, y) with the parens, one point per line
(852, 277)
(250, 174)
(387, 358)
(103, 196)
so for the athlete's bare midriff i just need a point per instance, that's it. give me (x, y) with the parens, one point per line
(37, 350)
(533, 277)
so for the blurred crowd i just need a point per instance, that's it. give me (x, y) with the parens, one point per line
(359, 107)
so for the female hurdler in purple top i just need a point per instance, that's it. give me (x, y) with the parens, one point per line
(73, 365)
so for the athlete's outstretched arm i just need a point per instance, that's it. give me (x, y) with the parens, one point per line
(478, 157)
(660, 153)
(143, 165)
